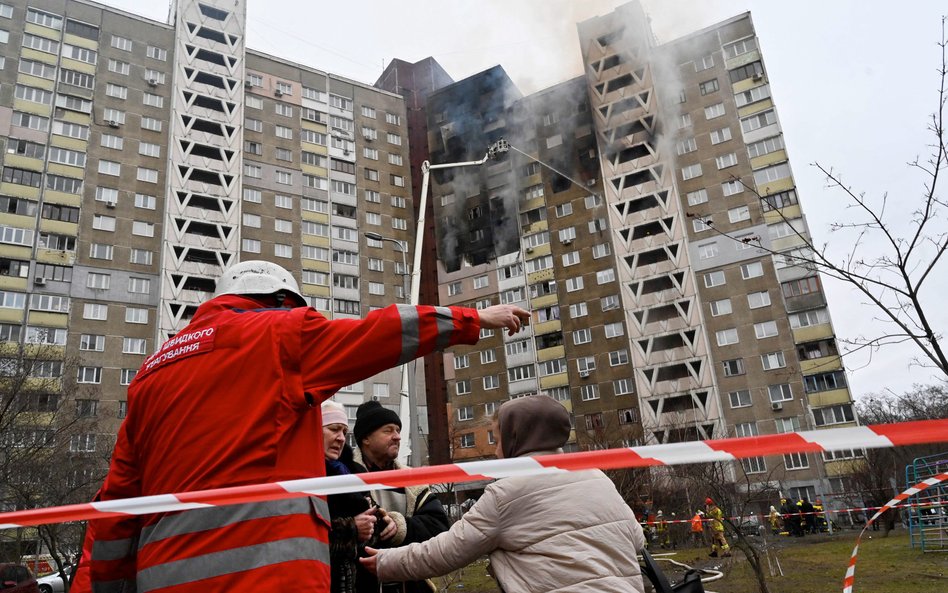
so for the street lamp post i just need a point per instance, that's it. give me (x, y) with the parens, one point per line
(405, 413)
(407, 405)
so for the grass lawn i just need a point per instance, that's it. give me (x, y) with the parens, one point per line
(810, 565)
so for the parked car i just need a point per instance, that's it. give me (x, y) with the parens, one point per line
(16, 578)
(53, 583)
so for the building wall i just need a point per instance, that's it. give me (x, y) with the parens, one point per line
(169, 180)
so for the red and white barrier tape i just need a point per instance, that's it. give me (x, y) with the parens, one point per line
(850, 577)
(832, 439)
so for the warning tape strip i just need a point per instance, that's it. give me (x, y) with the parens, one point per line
(831, 439)
(850, 577)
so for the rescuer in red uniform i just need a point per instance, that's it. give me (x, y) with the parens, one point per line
(234, 399)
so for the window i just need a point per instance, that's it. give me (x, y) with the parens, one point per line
(134, 346)
(89, 375)
(691, 171)
(395, 159)
(564, 210)
(824, 381)
(589, 392)
(467, 441)
(149, 149)
(721, 307)
(605, 276)
(491, 382)
(752, 270)
(140, 256)
(151, 123)
(283, 132)
(796, 461)
(153, 100)
(614, 330)
(126, 379)
(82, 443)
(709, 86)
(713, 111)
(746, 429)
(100, 251)
(121, 43)
(809, 318)
(573, 284)
(284, 177)
(714, 279)
(609, 302)
(98, 281)
(704, 63)
(119, 67)
(740, 399)
(156, 53)
(733, 367)
(772, 360)
(701, 224)
(774, 173)
(582, 336)
(739, 214)
(376, 288)
(147, 175)
(462, 387)
(754, 465)
(726, 160)
(136, 315)
(740, 47)
(520, 373)
(834, 415)
(707, 251)
(756, 300)
(721, 135)
(766, 146)
(726, 337)
(685, 146)
(518, 347)
(697, 197)
(92, 342)
(586, 364)
(393, 139)
(779, 393)
(759, 120)
(785, 425)
(391, 118)
(765, 329)
(139, 285)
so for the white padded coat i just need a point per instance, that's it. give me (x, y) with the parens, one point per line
(551, 533)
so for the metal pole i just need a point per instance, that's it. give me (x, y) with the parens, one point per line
(405, 413)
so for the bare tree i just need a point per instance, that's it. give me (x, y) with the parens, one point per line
(890, 267)
(49, 455)
(876, 476)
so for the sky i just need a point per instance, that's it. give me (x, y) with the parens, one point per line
(855, 84)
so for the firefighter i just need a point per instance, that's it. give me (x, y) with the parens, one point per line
(716, 523)
(774, 517)
(234, 399)
(661, 529)
(697, 528)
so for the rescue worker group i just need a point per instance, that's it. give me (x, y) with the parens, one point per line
(242, 396)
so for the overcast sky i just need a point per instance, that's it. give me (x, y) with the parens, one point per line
(854, 83)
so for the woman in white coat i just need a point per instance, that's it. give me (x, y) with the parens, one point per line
(557, 532)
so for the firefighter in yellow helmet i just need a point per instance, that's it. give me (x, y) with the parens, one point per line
(716, 524)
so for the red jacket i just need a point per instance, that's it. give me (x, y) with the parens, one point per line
(231, 400)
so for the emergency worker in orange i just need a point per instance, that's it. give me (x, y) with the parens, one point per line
(234, 399)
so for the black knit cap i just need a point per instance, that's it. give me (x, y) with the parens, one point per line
(370, 417)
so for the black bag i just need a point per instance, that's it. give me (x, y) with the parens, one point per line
(690, 584)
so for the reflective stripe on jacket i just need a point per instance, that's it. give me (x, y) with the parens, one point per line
(233, 399)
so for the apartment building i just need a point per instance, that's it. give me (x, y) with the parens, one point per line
(143, 157)
(654, 240)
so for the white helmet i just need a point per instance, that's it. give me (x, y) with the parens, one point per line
(257, 277)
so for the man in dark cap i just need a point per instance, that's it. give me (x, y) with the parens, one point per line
(408, 515)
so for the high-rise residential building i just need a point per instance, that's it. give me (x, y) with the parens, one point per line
(650, 219)
(646, 213)
(143, 157)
